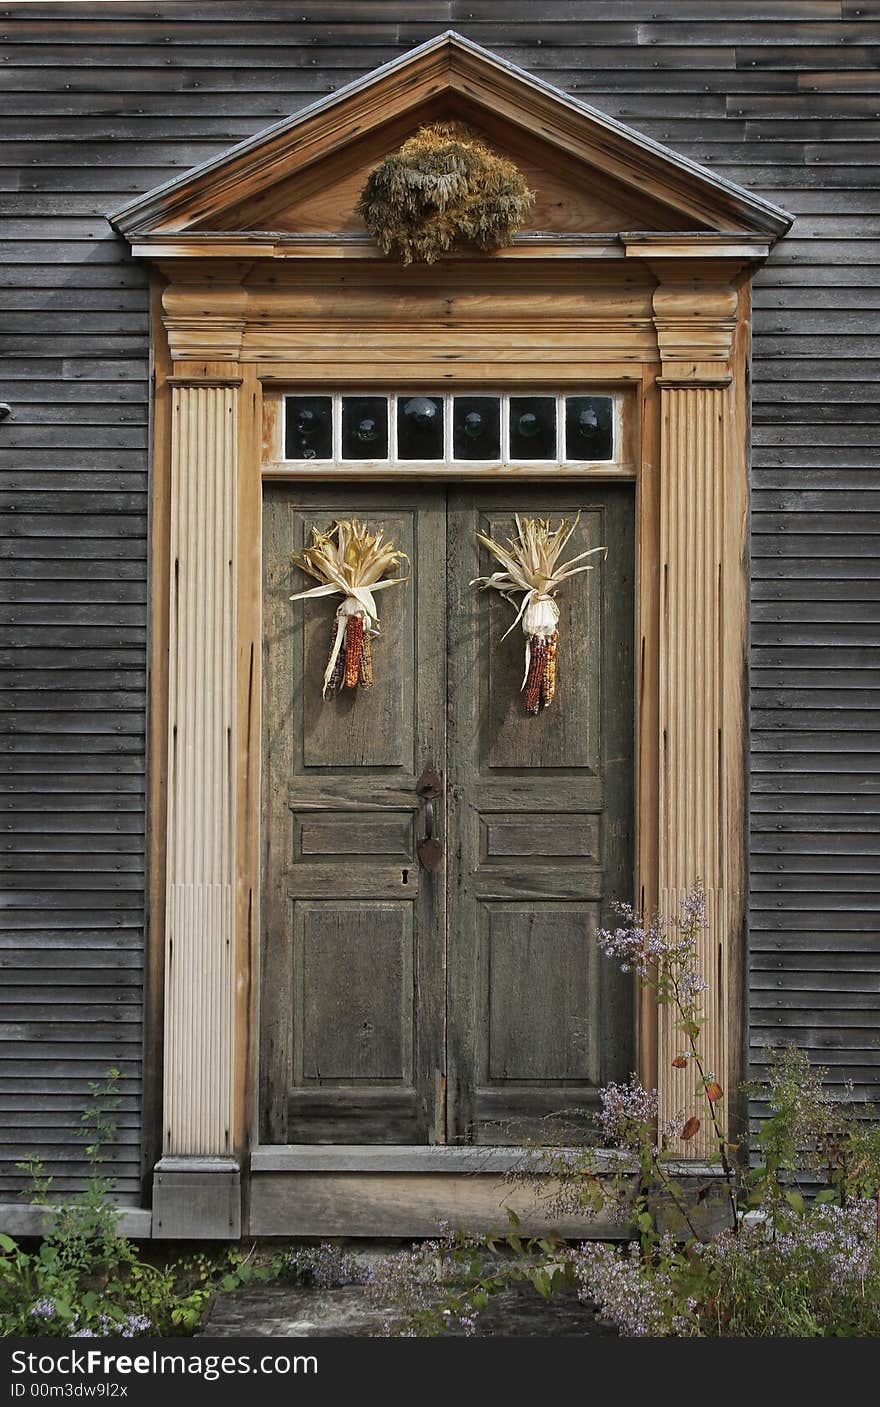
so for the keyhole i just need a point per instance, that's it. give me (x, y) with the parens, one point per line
(404, 874)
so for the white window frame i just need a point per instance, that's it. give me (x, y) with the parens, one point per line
(449, 463)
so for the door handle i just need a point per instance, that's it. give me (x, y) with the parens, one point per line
(429, 849)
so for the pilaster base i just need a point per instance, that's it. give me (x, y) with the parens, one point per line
(197, 1199)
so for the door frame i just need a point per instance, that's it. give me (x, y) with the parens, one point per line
(679, 358)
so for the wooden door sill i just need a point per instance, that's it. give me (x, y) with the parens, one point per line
(429, 1158)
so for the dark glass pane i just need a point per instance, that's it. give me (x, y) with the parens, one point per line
(364, 427)
(419, 427)
(308, 427)
(533, 427)
(476, 427)
(589, 427)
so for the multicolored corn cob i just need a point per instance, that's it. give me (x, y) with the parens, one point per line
(535, 676)
(354, 644)
(366, 676)
(548, 682)
(334, 682)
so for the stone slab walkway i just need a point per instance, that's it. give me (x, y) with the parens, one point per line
(295, 1312)
(292, 1311)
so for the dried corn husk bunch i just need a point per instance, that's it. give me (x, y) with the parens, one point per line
(350, 561)
(441, 188)
(531, 565)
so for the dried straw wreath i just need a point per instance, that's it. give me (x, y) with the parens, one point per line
(350, 561)
(443, 187)
(531, 565)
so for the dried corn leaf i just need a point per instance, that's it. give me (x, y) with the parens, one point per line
(350, 561)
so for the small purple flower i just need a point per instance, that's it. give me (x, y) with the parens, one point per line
(690, 986)
(636, 947)
(661, 953)
(134, 1324)
(42, 1309)
(628, 1113)
(635, 1296)
(692, 914)
(670, 1131)
(326, 1266)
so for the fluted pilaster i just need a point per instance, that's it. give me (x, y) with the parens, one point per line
(693, 803)
(199, 938)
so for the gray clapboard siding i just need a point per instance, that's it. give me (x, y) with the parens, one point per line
(103, 102)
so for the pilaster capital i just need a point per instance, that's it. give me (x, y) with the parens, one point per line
(695, 324)
(204, 321)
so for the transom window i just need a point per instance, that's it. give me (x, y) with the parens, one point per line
(477, 428)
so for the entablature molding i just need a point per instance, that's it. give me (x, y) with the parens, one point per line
(680, 311)
(174, 248)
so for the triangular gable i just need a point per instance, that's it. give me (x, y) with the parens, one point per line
(571, 196)
(302, 174)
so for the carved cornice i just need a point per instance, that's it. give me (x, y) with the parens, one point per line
(734, 248)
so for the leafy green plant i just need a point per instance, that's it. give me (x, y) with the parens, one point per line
(663, 954)
(799, 1256)
(814, 1274)
(85, 1280)
(803, 1256)
(814, 1135)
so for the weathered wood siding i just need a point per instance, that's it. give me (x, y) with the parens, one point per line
(101, 102)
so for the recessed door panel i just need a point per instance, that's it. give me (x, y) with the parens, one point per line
(336, 833)
(539, 965)
(354, 992)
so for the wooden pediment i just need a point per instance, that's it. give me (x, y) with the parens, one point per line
(302, 177)
(571, 196)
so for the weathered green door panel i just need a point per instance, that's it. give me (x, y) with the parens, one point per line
(360, 1018)
(540, 826)
(352, 989)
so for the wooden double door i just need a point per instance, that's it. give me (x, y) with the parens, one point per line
(467, 1002)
